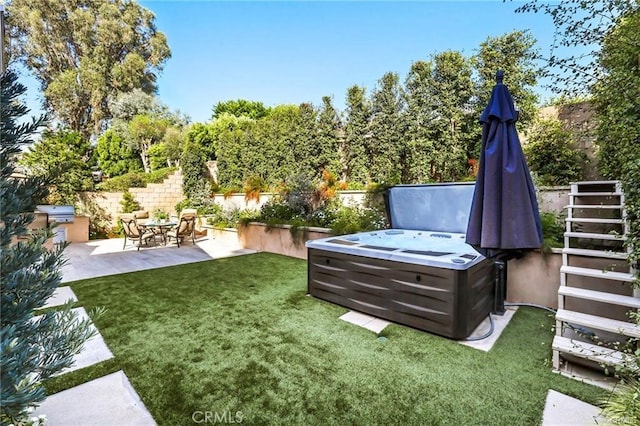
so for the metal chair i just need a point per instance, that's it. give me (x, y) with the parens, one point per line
(185, 228)
(133, 233)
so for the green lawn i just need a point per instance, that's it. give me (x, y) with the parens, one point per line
(240, 335)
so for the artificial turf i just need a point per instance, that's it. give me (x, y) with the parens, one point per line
(239, 338)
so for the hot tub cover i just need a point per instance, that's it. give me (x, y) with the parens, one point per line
(439, 207)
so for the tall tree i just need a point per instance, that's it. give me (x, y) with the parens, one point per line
(452, 90)
(145, 131)
(34, 348)
(82, 51)
(144, 123)
(235, 140)
(352, 151)
(329, 128)
(173, 145)
(386, 146)
(514, 54)
(420, 137)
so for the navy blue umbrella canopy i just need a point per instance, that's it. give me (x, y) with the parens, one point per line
(504, 218)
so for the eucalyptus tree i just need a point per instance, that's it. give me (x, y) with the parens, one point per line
(83, 51)
(514, 54)
(451, 88)
(386, 145)
(356, 130)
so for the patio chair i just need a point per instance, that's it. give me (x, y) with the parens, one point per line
(185, 228)
(133, 233)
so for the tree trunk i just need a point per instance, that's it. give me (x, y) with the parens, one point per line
(144, 149)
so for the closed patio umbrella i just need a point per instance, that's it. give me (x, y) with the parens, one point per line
(503, 221)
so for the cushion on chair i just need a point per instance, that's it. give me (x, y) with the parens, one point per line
(140, 214)
(188, 212)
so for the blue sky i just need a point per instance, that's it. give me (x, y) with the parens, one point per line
(288, 52)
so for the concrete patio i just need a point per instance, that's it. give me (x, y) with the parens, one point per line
(107, 257)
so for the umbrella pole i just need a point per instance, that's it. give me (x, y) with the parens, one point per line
(499, 286)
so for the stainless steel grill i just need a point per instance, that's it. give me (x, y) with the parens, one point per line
(58, 214)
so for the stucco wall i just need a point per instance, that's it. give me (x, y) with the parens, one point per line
(78, 230)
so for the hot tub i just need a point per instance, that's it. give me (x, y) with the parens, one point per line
(421, 273)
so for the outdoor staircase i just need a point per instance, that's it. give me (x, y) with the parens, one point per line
(595, 290)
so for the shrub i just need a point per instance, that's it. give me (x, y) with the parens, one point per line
(128, 203)
(135, 180)
(552, 231)
(201, 199)
(552, 153)
(123, 182)
(302, 203)
(253, 187)
(229, 218)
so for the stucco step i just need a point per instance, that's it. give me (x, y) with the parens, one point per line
(600, 296)
(597, 273)
(591, 352)
(606, 254)
(594, 236)
(598, 323)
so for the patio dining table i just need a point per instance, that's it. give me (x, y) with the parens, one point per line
(159, 227)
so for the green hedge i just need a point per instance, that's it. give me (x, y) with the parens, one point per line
(135, 180)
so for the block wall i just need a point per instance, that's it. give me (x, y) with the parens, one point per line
(162, 196)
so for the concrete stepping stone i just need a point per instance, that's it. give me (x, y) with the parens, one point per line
(500, 322)
(61, 296)
(365, 321)
(95, 350)
(109, 400)
(563, 410)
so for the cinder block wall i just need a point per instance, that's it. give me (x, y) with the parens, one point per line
(162, 196)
